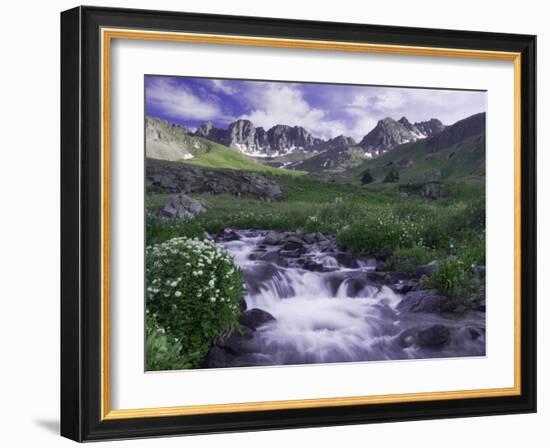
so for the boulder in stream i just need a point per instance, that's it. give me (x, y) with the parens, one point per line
(255, 318)
(425, 301)
(436, 336)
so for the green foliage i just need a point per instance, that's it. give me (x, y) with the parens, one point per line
(194, 292)
(369, 223)
(214, 155)
(407, 259)
(159, 229)
(163, 351)
(366, 177)
(449, 278)
(456, 273)
(392, 176)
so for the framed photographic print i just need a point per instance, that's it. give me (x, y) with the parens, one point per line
(275, 224)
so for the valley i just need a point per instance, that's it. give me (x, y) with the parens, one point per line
(349, 251)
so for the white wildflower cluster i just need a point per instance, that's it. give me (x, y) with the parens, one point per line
(181, 267)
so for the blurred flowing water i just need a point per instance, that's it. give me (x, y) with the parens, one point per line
(337, 315)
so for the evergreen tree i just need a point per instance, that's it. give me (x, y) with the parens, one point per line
(392, 176)
(367, 178)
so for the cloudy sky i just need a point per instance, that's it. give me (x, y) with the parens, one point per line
(326, 110)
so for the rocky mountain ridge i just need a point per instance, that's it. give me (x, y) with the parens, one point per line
(389, 133)
(283, 139)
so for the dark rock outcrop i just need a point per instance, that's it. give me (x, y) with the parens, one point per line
(182, 207)
(425, 301)
(181, 178)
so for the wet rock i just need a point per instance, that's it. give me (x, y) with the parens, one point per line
(355, 286)
(333, 282)
(274, 257)
(311, 238)
(242, 306)
(217, 357)
(229, 235)
(313, 266)
(234, 341)
(294, 253)
(274, 238)
(459, 309)
(255, 318)
(327, 246)
(403, 287)
(346, 259)
(181, 206)
(407, 338)
(425, 301)
(294, 240)
(426, 269)
(473, 332)
(436, 336)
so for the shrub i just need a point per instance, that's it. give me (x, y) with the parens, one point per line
(194, 292)
(379, 234)
(367, 178)
(450, 277)
(392, 176)
(407, 259)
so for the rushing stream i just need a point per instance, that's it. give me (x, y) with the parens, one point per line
(331, 307)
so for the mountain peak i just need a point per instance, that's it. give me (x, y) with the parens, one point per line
(388, 134)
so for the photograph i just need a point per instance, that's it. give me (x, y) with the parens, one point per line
(292, 223)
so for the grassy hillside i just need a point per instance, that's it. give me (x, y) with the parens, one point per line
(416, 163)
(167, 141)
(214, 155)
(170, 142)
(455, 154)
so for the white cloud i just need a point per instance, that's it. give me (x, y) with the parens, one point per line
(370, 104)
(385, 99)
(277, 103)
(219, 85)
(179, 102)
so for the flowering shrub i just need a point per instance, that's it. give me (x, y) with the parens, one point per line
(194, 292)
(380, 233)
